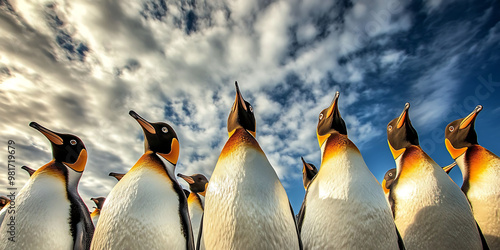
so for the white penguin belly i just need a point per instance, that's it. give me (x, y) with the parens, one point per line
(195, 213)
(141, 212)
(42, 216)
(246, 207)
(431, 211)
(346, 208)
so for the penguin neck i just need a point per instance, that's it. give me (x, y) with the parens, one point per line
(73, 179)
(168, 166)
(414, 161)
(335, 144)
(240, 138)
(195, 199)
(476, 164)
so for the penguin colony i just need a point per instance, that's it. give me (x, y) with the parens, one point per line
(244, 205)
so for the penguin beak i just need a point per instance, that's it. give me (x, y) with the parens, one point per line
(384, 183)
(239, 102)
(51, 135)
(404, 116)
(471, 117)
(334, 105)
(188, 179)
(144, 124)
(448, 168)
(306, 165)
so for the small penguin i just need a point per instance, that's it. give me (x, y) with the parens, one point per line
(29, 170)
(99, 201)
(481, 175)
(116, 175)
(308, 172)
(147, 208)
(3, 201)
(246, 206)
(50, 213)
(345, 192)
(429, 209)
(390, 175)
(196, 199)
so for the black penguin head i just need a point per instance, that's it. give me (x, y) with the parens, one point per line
(116, 175)
(241, 115)
(330, 121)
(99, 201)
(401, 134)
(308, 172)
(66, 148)
(159, 138)
(29, 170)
(389, 177)
(460, 134)
(197, 182)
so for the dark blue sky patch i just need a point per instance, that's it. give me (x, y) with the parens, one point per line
(191, 20)
(154, 9)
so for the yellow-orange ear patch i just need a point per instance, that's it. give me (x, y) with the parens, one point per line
(80, 163)
(173, 156)
(395, 153)
(454, 152)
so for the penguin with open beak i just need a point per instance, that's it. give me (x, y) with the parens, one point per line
(429, 209)
(481, 174)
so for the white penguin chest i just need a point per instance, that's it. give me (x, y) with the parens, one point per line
(42, 216)
(141, 212)
(246, 207)
(345, 191)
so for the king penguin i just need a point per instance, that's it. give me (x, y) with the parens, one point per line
(50, 213)
(116, 175)
(246, 206)
(344, 206)
(147, 208)
(29, 170)
(390, 175)
(196, 199)
(308, 172)
(429, 209)
(99, 201)
(481, 175)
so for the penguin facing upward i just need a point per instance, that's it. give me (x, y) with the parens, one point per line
(390, 175)
(308, 172)
(196, 199)
(425, 202)
(344, 206)
(29, 170)
(116, 175)
(50, 213)
(147, 208)
(246, 206)
(481, 174)
(99, 201)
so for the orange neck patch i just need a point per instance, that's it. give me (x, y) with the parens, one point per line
(454, 152)
(80, 163)
(395, 153)
(240, 138)
(173, 156)
(337, 143)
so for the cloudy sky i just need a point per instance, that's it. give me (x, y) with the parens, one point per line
(80, 66)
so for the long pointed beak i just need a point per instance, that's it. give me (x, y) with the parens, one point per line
(51, 135)
(239, 98)
(306, 165)
(333, 105)
(471, 117)
(404, 116)
(144, 124)
(188, 179)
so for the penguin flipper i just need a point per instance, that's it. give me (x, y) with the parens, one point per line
(296, 227)
(198, 241)
(83, 226)
(483, 240)
(401, 245)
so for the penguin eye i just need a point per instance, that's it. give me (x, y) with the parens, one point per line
(389, 127)
(390, 174)
(164, 130)
(73, 142)
(320, 116)
(451, 128)
(251, 108)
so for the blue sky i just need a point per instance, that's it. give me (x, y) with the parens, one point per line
(80, 66)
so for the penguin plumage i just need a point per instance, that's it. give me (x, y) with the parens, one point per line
(429, 209)
(196, 199)
(344, 206)
(246, 206)
(99, 201)
(147, 208)
(481, 174)
(308, 172)
(50, 213)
